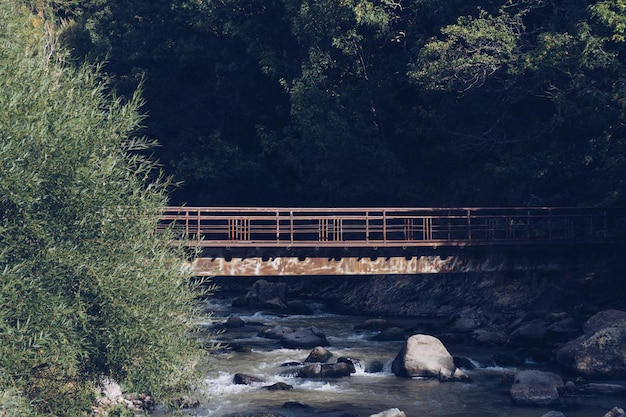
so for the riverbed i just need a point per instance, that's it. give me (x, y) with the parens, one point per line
(372, 389)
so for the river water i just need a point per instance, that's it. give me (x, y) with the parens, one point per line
(372, 389)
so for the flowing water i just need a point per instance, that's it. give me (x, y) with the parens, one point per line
(372, 389)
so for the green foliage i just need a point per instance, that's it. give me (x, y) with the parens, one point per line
(473, 50)
(87, 288)
(359, 102)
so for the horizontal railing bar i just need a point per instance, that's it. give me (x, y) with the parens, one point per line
(367, 227)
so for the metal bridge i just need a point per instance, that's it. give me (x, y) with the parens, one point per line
(238, 241)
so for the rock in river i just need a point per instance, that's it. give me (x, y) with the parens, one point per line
(601, 352)
(536, 388)
(303, 338)
(425, 356)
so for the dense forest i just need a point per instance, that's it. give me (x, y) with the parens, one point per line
(370, 102)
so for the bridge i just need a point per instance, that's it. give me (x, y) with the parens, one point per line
(251, 241)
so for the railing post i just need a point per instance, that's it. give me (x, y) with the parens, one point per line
(198, 229)
(291, 225)
(186, 224)
(384, 226)
(469, 224)
(367, 226)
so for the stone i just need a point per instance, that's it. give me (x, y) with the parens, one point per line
(303, 338)
(615, 412)
(327, 370)
(239, 348)
(562, 330)
(424, 356)
(274, 332)
(319, 354)
(603, 319)
(553, 413)
(245, 379)
(536, 388)
(297, 405)
(597, 355)
(279, 386)
(187, 401)
(235, 321)
(264, 294)
(465, 321)
(392, 412)
(487, 337)
(531, 333)
(352, 363)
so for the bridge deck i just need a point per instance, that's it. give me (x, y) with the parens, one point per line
(237, 227)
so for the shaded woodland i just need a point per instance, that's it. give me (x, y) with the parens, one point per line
(370, 102)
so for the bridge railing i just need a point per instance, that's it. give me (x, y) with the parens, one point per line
(389, 227)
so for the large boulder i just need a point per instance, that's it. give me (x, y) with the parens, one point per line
(303, 338)
(603, 319)
(536, 388)
(425, 356)
(600, 353)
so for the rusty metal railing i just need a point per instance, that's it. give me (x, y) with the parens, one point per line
(390, 227)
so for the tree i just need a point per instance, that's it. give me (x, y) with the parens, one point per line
(532, 100)
(87, 288)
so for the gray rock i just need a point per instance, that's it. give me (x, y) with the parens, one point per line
(615, 412)
(489, 337)
(536, 388)
(264, 294)
(352, 363)
(303, 338)
(562, 330)
(392, 412)
(279, 386)
(425, 356)
(599, 355)
(187, 401)
(327, 370)
(274, 332)
(245, 379)
(553, 414)
(319, 354)
(235, 321)
(531, 333)
(603, 319)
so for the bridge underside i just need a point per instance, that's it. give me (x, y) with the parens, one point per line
(424, 261)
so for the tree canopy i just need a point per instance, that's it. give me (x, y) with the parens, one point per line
(360, 102)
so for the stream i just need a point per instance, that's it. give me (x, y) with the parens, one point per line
(372, 389)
